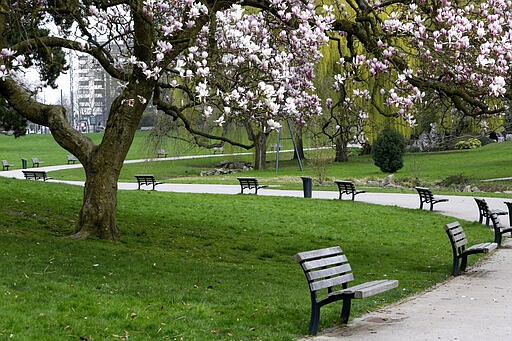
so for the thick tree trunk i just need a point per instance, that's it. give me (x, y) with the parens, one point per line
(98, 213)
(260, 152)
(341, 150)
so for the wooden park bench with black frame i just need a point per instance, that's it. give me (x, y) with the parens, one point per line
(427, 197)
(460, 252)
(146, 180)
(35, 175)
(347, 187)
(161, 153)
(71, 159)
(5, 165)
(36, 162)
(328, 273)
(485, 212)
(249, 183)
(499, 230)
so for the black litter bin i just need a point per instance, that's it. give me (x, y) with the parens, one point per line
(307, 184)
(23, 163)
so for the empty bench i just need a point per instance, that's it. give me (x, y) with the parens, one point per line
(71, 159)
(459, 242)
(5, 165)
(328, 274)
(35, 175)
(499, 230)
(36, 162)
(485, 212)
(161, 153)
(250, 183)
(146, 180)
(427, 197)
(347, 187)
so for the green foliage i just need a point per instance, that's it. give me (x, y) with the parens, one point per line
(388, 151)
(10, 120)
(471, 143)
(184, 258)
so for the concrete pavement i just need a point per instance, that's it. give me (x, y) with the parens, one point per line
(474, 306)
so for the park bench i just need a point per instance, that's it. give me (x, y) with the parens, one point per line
(36, 162)
(499, 230)
(250, 183)
(485, 212)
(328, 273)
(161, 153)
(146, 180)
(347, 187)
(460, 252)
(6, 165)
(71, 159)
(218, 150)
(35, 175)
(427, 197)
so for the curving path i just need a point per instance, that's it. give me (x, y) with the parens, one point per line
(473, 306)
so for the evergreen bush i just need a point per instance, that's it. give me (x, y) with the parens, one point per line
(388, 151)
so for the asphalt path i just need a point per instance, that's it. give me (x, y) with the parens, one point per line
(474, 306)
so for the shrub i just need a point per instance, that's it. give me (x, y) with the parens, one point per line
(388, 151)
(472, 143)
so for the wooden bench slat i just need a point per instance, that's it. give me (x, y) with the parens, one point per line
(330, 282)
(318, 263)
(341, 269)
(317, 253)
(373, 288)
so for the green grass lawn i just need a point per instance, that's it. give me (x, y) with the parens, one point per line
(211, 267)
(199, 267)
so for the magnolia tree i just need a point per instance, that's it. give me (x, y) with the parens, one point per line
(400, 56)
(251, 64)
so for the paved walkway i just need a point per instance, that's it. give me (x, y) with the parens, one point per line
(473, 306)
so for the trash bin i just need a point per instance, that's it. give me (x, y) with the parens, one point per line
(307, 184)
(23, 163)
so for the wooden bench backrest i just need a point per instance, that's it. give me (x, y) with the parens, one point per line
(457, 236)
(5, 163)
(248, 182)
(35, 160)
(425, 194)
(325, 268)
(346, 185)
(146, 178)
(482, 205)
(496, 222)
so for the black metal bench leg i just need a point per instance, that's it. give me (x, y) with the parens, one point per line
(315, 319)
(455, 266)
(345, 310)
(421, 204)
(463, 263)
(431, 206)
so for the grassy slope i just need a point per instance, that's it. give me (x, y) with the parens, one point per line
(201, 267)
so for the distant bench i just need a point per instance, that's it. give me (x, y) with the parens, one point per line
(485, 212)
(250, 183)
(427, 197)
(161, 153)
(71, 159)
(347, 187)
(35, 175)
(146, 180)
(36, 162)
(5, 165)
(460, 252)
(219, 150)
(328, 269)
